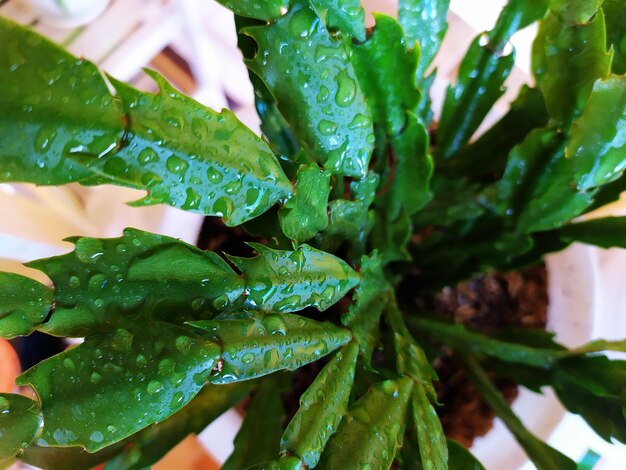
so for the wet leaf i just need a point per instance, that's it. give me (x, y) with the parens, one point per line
(310, 75)
(391, 239)
(372, 432)
(597, 144)
(385, 69)
(615, 11)
(287, 281)
(194, 158)
(260, 9)
(567, 60)
(259, 436)
(135, 279)
(148, 373)
(424, 22)
(485, 67)
(432, 441)
(53, 105)
(180, 152)
(306, 213)
(459, 458)
(453, 199)
(322, 407)
(20, 419)
(24, 304)
(346, 16)
(256, 344)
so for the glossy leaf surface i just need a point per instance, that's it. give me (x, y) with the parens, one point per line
(573, 12)
(151, 444)
(287, 281)
(388, 95)
(194, 158)
(598, 140)
(310, 75)
(254, 345)
(257, 440)
(372, 432)
(424, 22)
(108, 283)
(260, 9)
(306, 214)
(53, 107)
(322, 407)
(567, 60)
(345, 15)
(432, 441)
(149, 374)
(20, 419)
(607, 232)
(24, 304)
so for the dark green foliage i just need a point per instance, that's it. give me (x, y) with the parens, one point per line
(175, 335)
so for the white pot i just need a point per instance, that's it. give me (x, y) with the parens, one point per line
(67, 13)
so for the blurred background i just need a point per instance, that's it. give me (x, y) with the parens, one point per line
(193, 44)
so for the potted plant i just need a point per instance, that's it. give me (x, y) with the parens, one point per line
(354, 205)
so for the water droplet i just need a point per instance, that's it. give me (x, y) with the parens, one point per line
(177, 400)
(360, 122)
(247, 358)
(323, 94)
(88, 250)
(141, 360)
(196, 304)
(95, 378)
(346, 89)
(166, 367)
(390, 388)
(214, 175)
(302, 23)
(192, 201)
(223, 207)
(233, 186)
(327, 127)
(5, 406)
(97, 281)
(183, 344)
(44, 139)
(154, 387)
(177, 165)
(146, 156)
(221, 302)
(69, 363)
(111, 428)
(74, 282)
(96, 436)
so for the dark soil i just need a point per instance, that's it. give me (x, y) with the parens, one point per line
(486, 304)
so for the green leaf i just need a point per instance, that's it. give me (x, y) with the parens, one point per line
(20, 420)
(482, 72)
(461, 338)
(259, 436)
(345, 15)
(194, 158)
(391, 238)
(542, 455)
(322, 407)
(459, 458)
(575, 12)
(607, 232)
(386, 72)
(180, 152)
(370, 298)
(316, 89)
(287, 281)
(453, 199)
(424, 22)
(148, 373)
(260, 9)
(597, 144)
(567, 60)
(372, 433)
(409, 189)
(53, 106)
(24, 304)
(134, 279)
(306, 213)
(432, 441)
(151, 444)
(148, 445)
(256, 344)
(594, 387)
(615, 11)
(487, 156)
